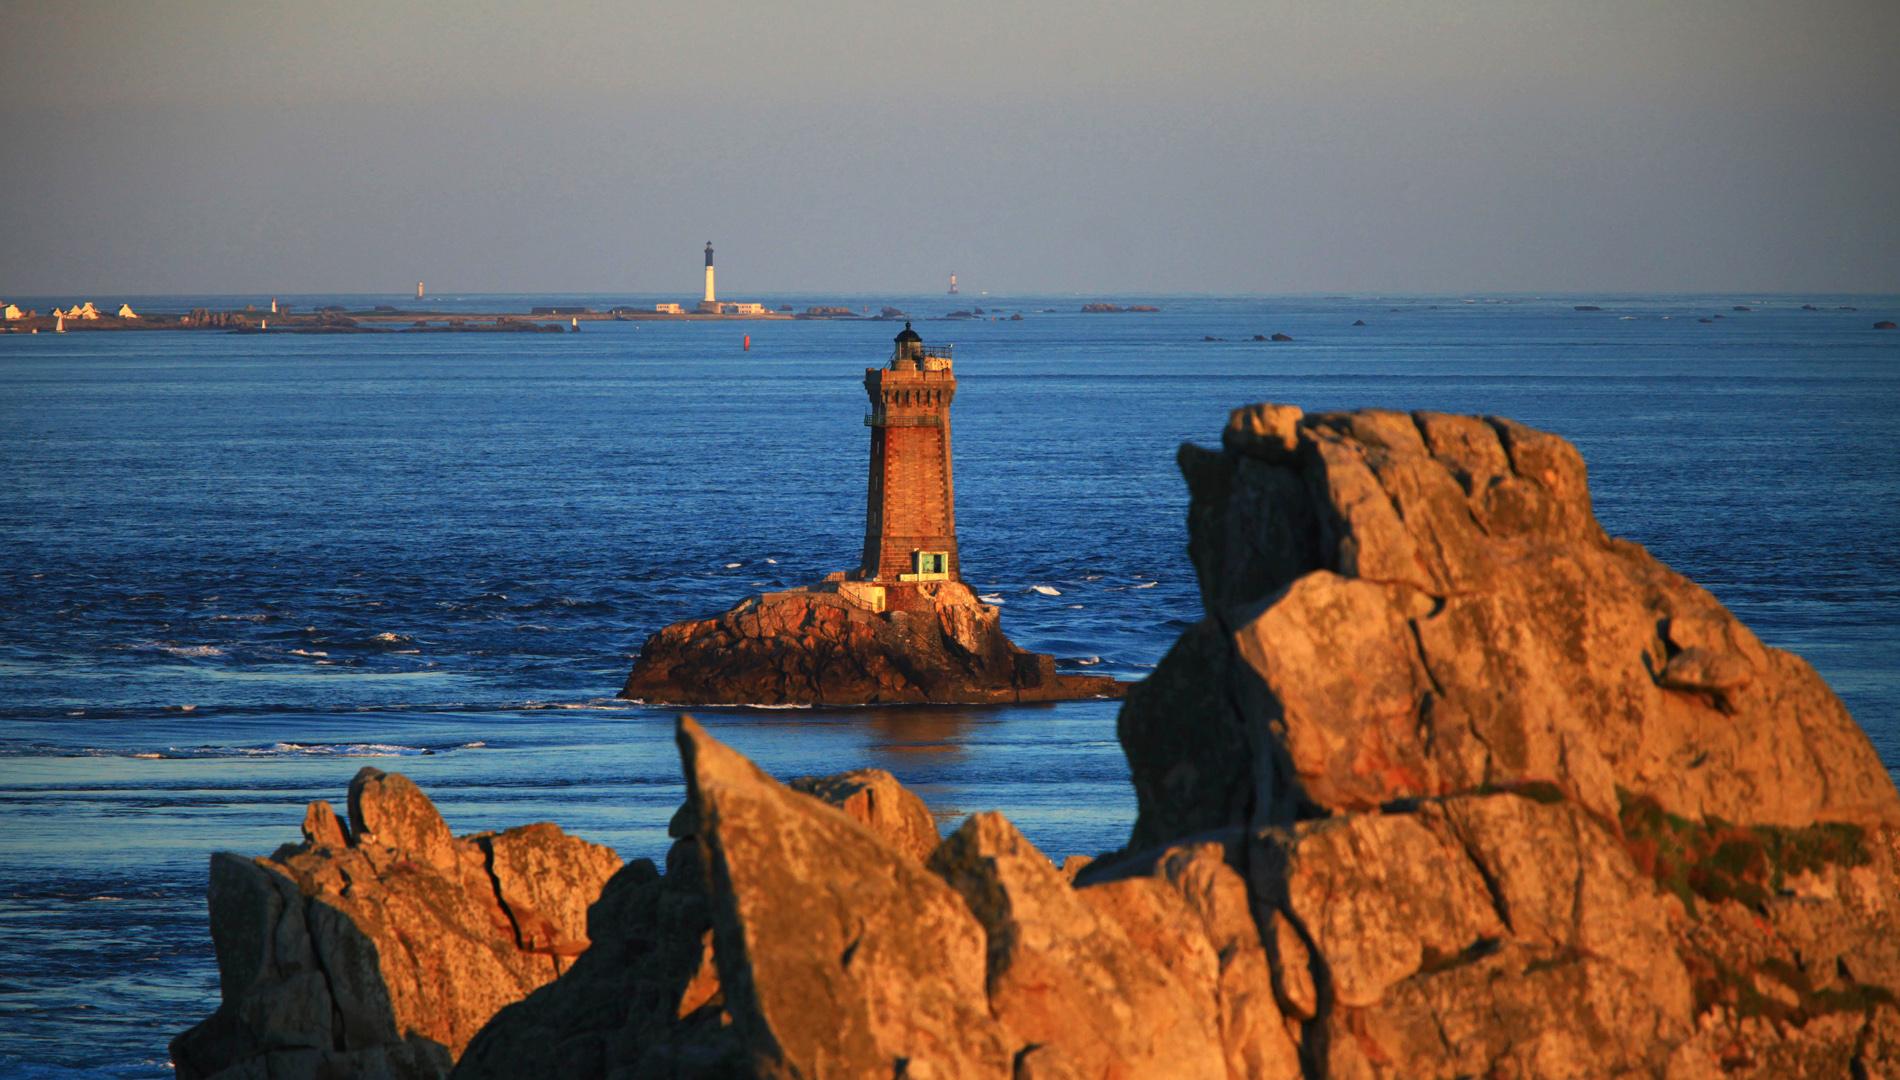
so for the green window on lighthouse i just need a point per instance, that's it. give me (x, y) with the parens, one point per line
(933, 563)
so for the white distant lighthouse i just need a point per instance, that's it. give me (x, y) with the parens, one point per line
(710, 297)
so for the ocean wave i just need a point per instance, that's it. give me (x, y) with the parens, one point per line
(289, 750)
(381, 641)
(1045, 590)
(185, 652)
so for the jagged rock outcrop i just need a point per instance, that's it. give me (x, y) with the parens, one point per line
(382, 949)
(790, 937)
(1409, 605)
(1514, 798)
(829, 645)
(1447, 783)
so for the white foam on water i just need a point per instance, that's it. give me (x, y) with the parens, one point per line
(308, 652)
(991, 598)
(189, 652)
(774, 562)
(1145, 585)
(333, 750)
(1046, 590)
(734, 565)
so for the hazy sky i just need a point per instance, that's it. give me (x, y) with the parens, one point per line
(1030, 147)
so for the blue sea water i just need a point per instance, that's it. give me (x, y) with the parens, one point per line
(235, 569)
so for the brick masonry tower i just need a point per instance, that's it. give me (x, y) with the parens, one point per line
(910, 522)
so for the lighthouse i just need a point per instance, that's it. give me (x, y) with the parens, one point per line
(710, 297)
(910, 523)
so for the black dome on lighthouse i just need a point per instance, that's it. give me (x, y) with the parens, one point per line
(907, 335)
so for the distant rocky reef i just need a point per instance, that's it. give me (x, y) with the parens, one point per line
(1447, 782)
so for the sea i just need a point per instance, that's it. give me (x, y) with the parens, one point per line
(235, 569)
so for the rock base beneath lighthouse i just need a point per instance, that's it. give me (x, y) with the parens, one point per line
(833, 644)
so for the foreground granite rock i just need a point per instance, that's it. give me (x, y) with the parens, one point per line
(1411, 605)
(1447, 783)
(382, 949)
(842, 643)
(795, 937)
(1512, 798)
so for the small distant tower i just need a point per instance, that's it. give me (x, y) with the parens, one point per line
(710, 295)
(953, 284)
(910, 523)
(418, 290)
(273, 305)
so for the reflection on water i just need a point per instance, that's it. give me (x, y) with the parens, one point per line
(925, 729)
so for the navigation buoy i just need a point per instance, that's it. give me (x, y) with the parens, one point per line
(748, 343)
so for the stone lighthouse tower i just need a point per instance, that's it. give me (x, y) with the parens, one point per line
(710, 297)
(910, 523)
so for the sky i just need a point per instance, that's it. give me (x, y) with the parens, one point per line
(1248, 147)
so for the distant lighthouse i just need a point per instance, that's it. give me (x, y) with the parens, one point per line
(710, 297)
(953, 284)
(418, 290)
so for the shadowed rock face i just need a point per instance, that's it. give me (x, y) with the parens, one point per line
(1447, 783)
(383, 949)
(815, 647)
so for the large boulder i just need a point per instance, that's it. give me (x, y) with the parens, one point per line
(840, 644)
(874, 799)
(1413, 605)
(1070, 981)
(786, 939)
(797, 933)
(1512, 798)
(381, 949)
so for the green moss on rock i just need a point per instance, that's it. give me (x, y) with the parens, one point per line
(1716, 861)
